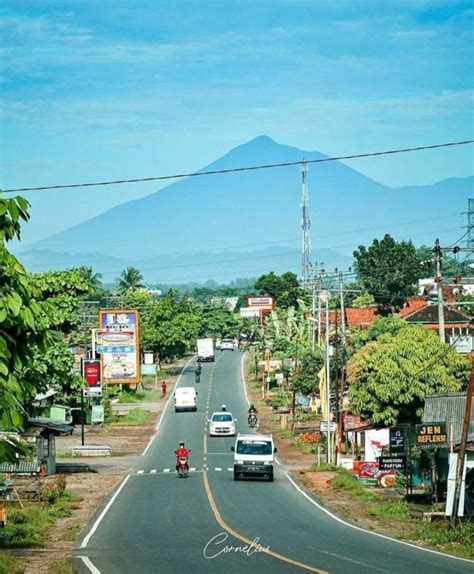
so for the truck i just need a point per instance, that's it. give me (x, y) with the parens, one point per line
(205, 350)
(253, 456)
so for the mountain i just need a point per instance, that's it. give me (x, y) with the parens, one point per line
(247, 212)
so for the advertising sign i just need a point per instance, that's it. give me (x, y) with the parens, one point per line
(249, 312)
(265, 301)
(118, 344)
(392, 463)
(91, 373)
(397, 441)
(148, 369)
(431, 435)
(370, 473)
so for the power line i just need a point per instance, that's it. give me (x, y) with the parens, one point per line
(239, 169)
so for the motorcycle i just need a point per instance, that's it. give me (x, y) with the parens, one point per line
(197, 377)
(183, 467)
(252, 420)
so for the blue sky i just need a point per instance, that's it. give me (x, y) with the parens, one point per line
(120, 89)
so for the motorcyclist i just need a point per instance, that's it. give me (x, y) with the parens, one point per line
(252, 413)
(198, 367)
(181, 451)
(223, 408)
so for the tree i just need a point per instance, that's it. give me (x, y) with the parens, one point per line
(390, 377)
(384, 325)
(306, 379)
(363, 300)
(389, 271)
(451, 267)
(24, 328)
(130, 280)
(94, 279)
(284, 288)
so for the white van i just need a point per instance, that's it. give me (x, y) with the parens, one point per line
(185, 399)
(253, 456)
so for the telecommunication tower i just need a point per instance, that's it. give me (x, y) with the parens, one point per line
(305, 227)
(470, 223)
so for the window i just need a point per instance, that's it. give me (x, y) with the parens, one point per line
(254, 447)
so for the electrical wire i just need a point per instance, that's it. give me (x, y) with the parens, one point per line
(240, 169)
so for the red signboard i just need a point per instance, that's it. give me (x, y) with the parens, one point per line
(369, 473)
(91, 371)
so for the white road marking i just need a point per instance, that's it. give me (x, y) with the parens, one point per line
(218, 468)
(89, 565)
(148, 445)
(166, 470)
(103, 513)
(370, 531)
(140, 471)
(230, 469)
(153, 471)
(192, 469)
(243, 377)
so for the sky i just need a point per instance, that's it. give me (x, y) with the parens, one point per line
(112, 89)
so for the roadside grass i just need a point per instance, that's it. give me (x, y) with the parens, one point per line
(61, 567)
(136, 416)
(324, 467)
(344, 481)
(458, 540)
(397, 509)
(10, 565)
(29, 526)
(71, 532)
(141, 396)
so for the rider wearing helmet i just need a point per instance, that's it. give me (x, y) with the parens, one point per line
(181, 451)
(252, 409)
(223, 408)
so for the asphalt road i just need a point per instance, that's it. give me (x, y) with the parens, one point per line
(158, 523)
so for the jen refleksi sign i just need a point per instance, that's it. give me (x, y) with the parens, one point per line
(431, 435)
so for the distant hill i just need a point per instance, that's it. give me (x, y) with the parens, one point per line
(258, 211)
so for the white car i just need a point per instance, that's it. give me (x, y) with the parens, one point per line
(222, 424)
(227, 345)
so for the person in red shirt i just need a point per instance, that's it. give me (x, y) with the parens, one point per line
(181, 451)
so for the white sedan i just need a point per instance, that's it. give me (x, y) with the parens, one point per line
(227, 345)
(222, 424)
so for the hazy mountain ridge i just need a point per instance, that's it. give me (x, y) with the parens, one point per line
(255, 208)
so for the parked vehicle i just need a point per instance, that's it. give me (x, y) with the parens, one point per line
(253, 456)
(222, 423)
(205, 350)
(185, 399)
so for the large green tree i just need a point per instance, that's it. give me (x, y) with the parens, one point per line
(388, 270)
(389, 377)
(24, 328)
(285, 288)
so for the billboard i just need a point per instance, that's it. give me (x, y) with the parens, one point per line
(249, 312)
(118, 345)
(263, 302)
(91, 373)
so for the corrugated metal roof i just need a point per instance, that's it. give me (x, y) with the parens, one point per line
(23, 467)
(449, 408)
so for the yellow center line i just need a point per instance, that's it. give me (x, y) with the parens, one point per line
(239, 536)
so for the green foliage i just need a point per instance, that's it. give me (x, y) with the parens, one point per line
(390, 377)
(24, 327)
(130, 280)
(390, 325)
(344, 481)
(324, 467)
(306, 379)
(281, 399)
(363, 300)
(218, 321)
(63, 566)
(451, 266)
(63, 291)
(388, 270)
(10, 565)
(397, 509)
(285, 288)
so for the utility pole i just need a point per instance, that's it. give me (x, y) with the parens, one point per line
(325, 296)
(462, 449)
(313, 314)
(319, 307)
(438, 254)
(341, 388)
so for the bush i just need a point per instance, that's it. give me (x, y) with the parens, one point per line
(9, 565)
(344, 481)
(136, 416)
(397, 509)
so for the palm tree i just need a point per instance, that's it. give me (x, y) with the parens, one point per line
(130, 279)
(94, 279)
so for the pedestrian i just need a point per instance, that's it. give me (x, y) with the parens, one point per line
(164, 389)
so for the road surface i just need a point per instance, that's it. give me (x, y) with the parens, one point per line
(157, 523)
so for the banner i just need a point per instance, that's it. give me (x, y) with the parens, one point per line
(118, 345)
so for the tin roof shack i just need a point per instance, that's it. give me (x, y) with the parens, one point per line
(449, 408)
(44, 432)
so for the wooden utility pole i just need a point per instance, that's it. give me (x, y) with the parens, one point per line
(464, 436)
